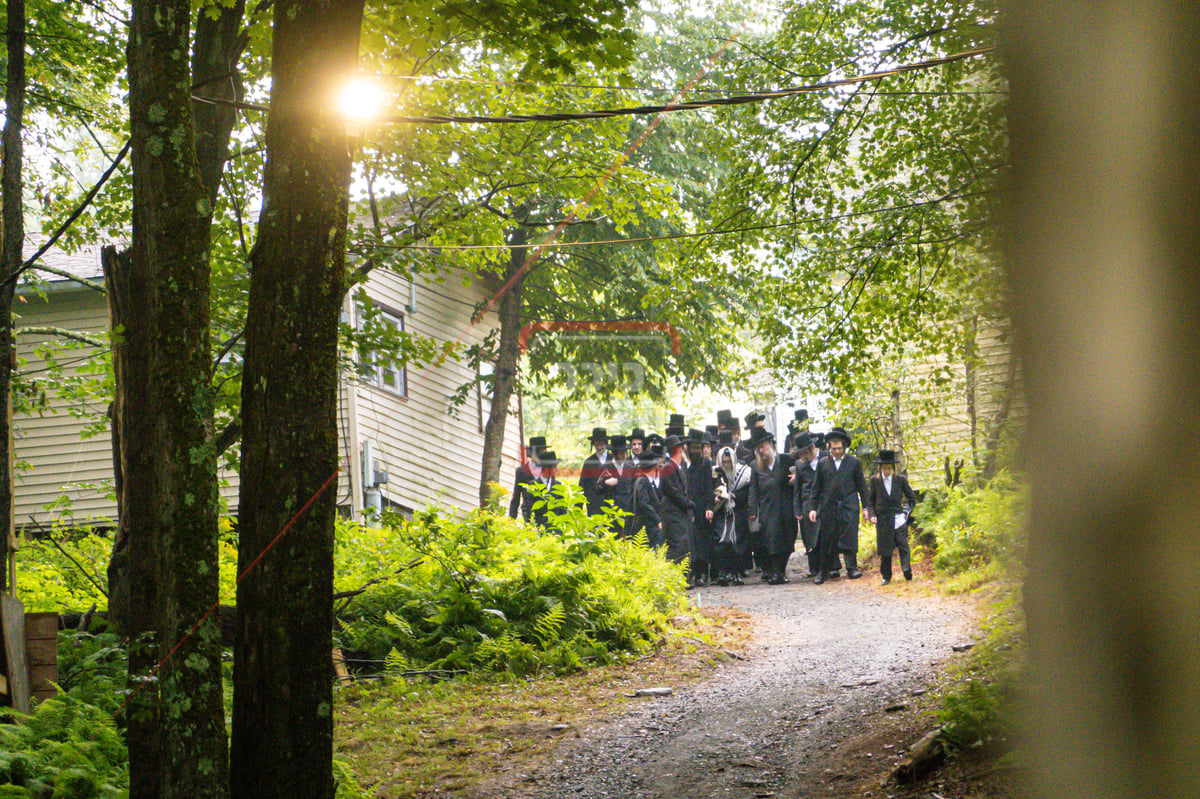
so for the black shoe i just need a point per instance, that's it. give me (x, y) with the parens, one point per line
(908, 574)
(783, 578)
(737, 580)
(885, 581)
(774, 579)
(853, 574)
(819, 579)
(833, 575)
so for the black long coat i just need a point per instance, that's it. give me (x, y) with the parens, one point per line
(675, 510)
(591, 477)
(645, 501)
(769, 501)
(885, 506)
(806, 474)
(521, 499)
(542, 514)
(835, 497)
(701, 490)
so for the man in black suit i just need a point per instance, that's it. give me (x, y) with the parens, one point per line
(701, 489)
(771, 506)
(837, 488)
(543, 513)
(527, 474)
(806, 472)
(675, 509)
(594, 475)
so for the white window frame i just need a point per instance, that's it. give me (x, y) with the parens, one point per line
(378, 377)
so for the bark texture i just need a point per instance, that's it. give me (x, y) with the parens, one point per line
(1103, 248)
(14, 237)
(169, 486)
(504, 377)
(283, 703)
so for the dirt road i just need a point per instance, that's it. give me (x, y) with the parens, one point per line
(827, 663)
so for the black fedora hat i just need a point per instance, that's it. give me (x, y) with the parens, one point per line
(637, 434)
(676, 420)
(648, 458)
(694, 436)
(653, 439)
(803, 440)
(675, 431)
(672, 441)
(725, 439)
(549, 458)
(886, 456)
(724, 416)
(752, 417)
(838, 432)
(710, 433)
(618, 442)
(801, 414)
(760, 435)
(598, 433)
(537, 441)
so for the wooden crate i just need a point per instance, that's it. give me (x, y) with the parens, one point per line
(41, 643)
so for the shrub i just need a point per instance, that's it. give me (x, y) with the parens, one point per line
(67, 748)
(976, 529)
(488, 593)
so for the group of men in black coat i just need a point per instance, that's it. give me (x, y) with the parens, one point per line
(729, 504)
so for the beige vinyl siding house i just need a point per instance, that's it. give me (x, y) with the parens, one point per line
(400, 417)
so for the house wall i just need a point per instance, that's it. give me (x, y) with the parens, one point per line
(430, 454)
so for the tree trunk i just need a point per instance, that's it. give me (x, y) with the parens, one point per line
(283, 695)
(504, 378)
(176, 735)
(1103, 247)
(218, 47)
(14, 237)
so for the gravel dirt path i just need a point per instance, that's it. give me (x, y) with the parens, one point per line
(826, 664)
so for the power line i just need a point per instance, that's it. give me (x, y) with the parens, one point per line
(674, 236)
(739, 99)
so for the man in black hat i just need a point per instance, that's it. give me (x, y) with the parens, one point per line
(892, 500)
(806, 472)
(623, 471)
(595, 473)
(546, 503)
(701, 490)
(637, 442)
(527, 473)
(769, 506)
(727, 421)
(675, 510)
(838, 487)
(646, 501)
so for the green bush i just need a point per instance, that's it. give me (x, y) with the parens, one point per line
(976, 529)
(491, 594)
(63, 571)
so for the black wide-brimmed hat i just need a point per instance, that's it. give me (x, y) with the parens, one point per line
(654, 439)
(598, 433)
(549, 458)
(672, 441)
(725, 439)
(638, 433)
(676, 420)
(753, 417)
(887, 456)
(676, 431)
(710, 433)
(618, 442)
(795, 426)
(760, 435)
(801, 414)
(648, 458)
(838, 432)
(537, 441)
(694, 436)
(803, 440)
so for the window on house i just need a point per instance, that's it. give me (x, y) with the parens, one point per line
(382, 370)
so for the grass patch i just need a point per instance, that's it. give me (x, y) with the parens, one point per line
(410, 739)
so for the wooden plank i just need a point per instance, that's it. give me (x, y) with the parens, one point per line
(41, 680)
(41, 626)
(42, 652)
(12, 622)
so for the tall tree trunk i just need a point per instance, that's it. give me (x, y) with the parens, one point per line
(1103, 251)
(504, 378)
(215, 53)
(14, 237)
(177, 743)
(283, 695)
